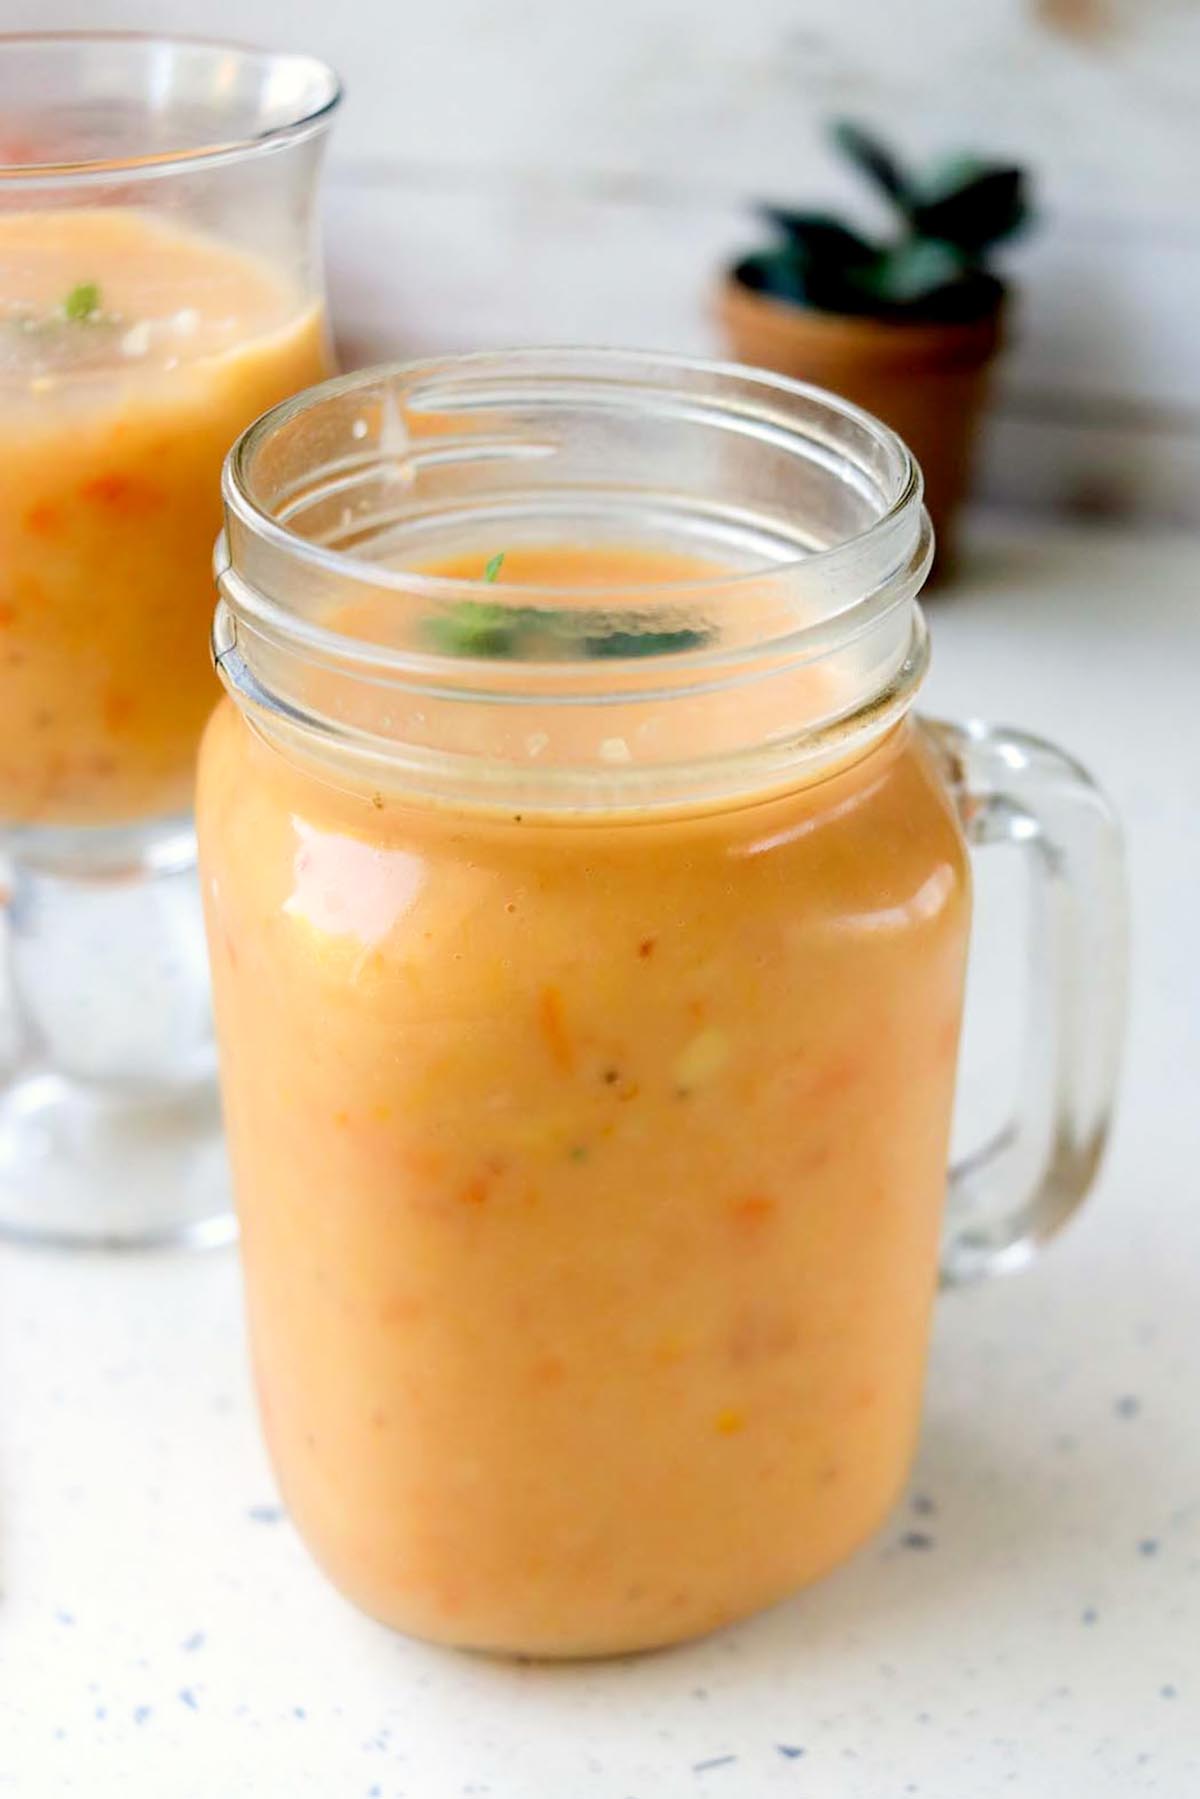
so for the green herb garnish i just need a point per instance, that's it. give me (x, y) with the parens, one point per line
(486, 628)
(83, 301)
(643, 643)
(478, 628)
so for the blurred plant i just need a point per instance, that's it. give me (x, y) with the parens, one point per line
(934, 270)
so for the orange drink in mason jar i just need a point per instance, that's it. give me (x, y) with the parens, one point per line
(589, 916)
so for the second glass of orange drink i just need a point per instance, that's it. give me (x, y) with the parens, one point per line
(160, 286)
(589, 916)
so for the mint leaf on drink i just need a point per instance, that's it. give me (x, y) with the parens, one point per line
(478, 628)
(489, 628)
(83, 301)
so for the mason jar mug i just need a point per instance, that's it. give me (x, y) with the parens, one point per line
(160, 286)
(588, 917)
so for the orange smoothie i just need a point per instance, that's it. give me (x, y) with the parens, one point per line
(590, 1172)
(132, 353)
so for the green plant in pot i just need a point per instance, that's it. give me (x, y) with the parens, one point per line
(906, 326)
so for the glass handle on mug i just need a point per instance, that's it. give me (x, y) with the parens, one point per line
(1010, 1195)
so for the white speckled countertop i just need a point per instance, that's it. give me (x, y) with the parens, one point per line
(1028, 1622)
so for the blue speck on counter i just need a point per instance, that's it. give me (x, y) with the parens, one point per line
(65, 1617)
(194, 1642)
(916, 1539)
(188, 1698)
(101, 1712)
(1088, 1615)
(714, 1761)
(792, 1751)
(141, 1713)
(1148, 1546)
(1168, 1691)
(1128, 1406)
(298, 1711)
(265, 1514)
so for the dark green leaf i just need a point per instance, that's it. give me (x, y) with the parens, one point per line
(874, 158)
(818, 237)
(946, 174)
(643, 643)
(911, 272)
(972, 294)
(780, 273)
(988, 206)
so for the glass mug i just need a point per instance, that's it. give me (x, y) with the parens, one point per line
(588, 920)
(160, 286)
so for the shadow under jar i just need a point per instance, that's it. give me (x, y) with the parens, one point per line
(588, 921)
(159, 287)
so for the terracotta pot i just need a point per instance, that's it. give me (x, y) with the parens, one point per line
(928, 382)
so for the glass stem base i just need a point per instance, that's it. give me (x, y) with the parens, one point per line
(110, 1128)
